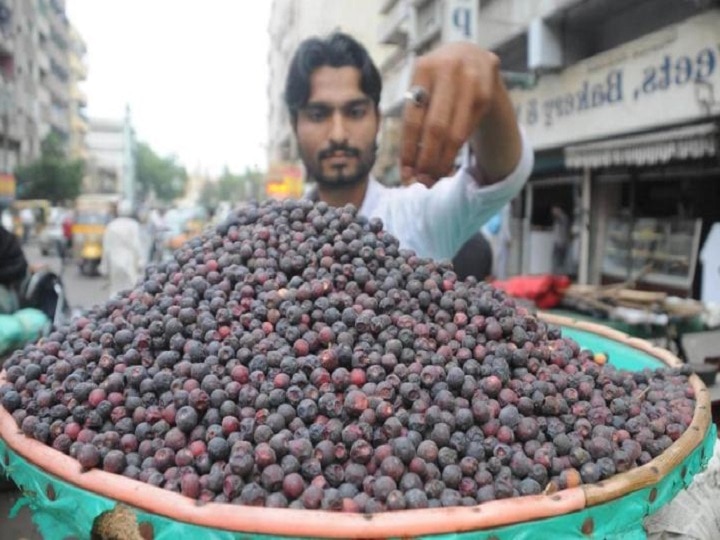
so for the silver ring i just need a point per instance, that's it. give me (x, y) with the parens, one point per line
(418, 96)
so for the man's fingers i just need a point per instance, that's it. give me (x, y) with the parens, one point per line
(437, 123)
(412, 124)
(463, 121)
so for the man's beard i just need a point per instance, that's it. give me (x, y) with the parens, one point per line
(339, 179)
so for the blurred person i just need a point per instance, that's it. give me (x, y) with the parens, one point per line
(13, 270)
(123, 255)
(497, 231)
(457, 95)
(156, 231)
(67, 226)
(27, 220)
(475, 258)
(560, 239)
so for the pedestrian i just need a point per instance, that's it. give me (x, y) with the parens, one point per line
(67, 227)
(560, 239)
(27, 220)
(457, 95)
(475, 258)
(498, 232)
(13, 270)
(123, 255)
(156, 232)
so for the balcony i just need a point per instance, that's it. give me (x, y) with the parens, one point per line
(387, 5)
(43, 60)
(59, 90)
(78, 67)
(393, 27)
(79, 124)
(7, 43)
(43, 25)
(59, 119)
(78, 95)
(428, 22)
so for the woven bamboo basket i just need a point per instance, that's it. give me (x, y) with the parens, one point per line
(67, 502)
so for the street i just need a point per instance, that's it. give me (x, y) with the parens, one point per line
(82, 292)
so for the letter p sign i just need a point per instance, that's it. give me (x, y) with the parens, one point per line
(461, 20)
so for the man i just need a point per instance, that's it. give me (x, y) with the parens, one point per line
(13, 270)
(27, 220)
(67, 227)
(156, 231)
(123, 254)
(457, 95)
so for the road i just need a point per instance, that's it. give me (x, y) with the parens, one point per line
(82, 292)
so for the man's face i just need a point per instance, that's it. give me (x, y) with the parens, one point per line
(336, 130)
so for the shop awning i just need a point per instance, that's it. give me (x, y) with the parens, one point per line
(689, 142)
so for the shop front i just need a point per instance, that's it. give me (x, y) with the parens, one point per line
(627, 149)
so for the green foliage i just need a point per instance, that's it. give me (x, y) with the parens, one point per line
(163, 176)
(53, 177)
(232, 188)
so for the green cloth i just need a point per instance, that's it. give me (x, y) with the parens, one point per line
(61, 510)
(21, 327)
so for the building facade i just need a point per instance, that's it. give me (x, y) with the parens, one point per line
(291, 21)
(112, 150)
(78, 100)
(35, 89)
(619, 100)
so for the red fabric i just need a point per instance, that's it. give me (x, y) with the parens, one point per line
(545, 290)
(67, 227)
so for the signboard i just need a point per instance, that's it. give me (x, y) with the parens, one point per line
(8, 188)
(668, 77)
(460, 21)
(284, 181)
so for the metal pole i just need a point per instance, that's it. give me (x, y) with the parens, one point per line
(584, 271)
(527, 227)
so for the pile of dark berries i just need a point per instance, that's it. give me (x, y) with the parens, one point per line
(297, 357)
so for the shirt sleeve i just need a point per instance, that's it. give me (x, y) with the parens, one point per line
(436, 222)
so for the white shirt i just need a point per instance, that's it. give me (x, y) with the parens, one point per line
(436, 222)
(27, 216)
(123, 255)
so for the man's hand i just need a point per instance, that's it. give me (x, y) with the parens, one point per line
(466, 100)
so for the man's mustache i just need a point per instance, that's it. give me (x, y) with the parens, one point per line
(338, 149)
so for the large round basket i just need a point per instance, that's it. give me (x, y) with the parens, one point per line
(66, 502)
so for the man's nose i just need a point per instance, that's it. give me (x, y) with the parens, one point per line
(337, 128)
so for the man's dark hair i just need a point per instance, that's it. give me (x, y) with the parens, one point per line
(336, 50)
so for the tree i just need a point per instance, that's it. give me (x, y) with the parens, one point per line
(53, 176)
(231, 188)
(163, 176)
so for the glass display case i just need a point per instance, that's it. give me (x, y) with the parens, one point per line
(657, 251)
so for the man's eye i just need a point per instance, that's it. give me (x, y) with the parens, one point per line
(316, 115)
(357, 112)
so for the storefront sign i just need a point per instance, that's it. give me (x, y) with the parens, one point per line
(665, 78)
(8, 188)
(284, 181)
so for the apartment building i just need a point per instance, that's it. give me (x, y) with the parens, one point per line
(620, 101)
(35, 88)
(291, 21)
(112, 149)
(78, 99)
